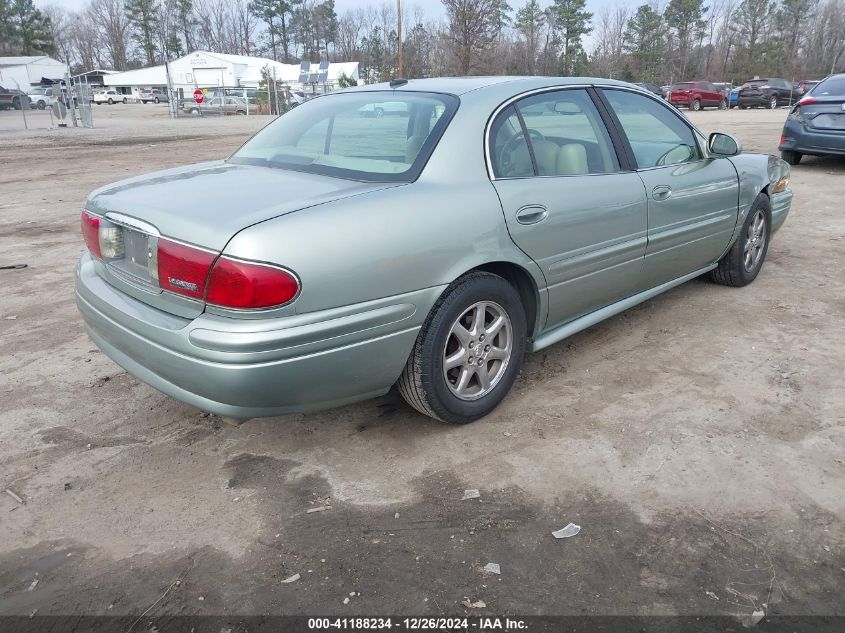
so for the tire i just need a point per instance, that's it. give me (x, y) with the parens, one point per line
(156, 100)
(111, 102)
(723, 104)
(734, 269)
(434, 392)
(242, 112)
(379, 112)
(695, 105)
(41, 105)
(194, 112)
(773, 102)
(125, 101)
(793, 158)
(741, 107)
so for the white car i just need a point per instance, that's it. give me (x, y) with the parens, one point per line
(384, 107)
(108, 96)
(41, 98)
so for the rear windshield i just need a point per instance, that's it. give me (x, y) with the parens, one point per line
(683, 86)
(371, 136)
(757, 82)
(830, 87)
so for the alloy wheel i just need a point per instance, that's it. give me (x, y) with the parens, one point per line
(755, 242)
(478, 350)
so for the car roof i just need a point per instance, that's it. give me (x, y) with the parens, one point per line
(463, 85)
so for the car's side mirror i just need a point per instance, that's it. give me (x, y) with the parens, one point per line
(723, 144)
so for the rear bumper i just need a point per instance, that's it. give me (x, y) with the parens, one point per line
(798, 138)
(753, 100)
(255, 367)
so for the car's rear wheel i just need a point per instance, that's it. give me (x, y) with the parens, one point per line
(125, 100)
(793, 158)
(42, 105)
(111, 101)
(773, 102)
(695, 105)
(468, 352)
(156, 100)
(742, 263)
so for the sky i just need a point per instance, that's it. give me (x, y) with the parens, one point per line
(433, 8)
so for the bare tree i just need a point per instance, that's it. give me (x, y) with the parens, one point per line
(473, 26)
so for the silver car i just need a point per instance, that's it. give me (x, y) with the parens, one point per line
(334, 255)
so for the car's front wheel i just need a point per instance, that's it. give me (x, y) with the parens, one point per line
(695, 105)
(156, 100)
(773, 102)
(468, 352)
(723, 104)
(742, 263)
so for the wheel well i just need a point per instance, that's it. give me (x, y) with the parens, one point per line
(519, 278)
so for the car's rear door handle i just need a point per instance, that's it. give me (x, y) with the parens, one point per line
(531, 214)
(661, 192)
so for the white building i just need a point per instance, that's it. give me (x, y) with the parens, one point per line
(202, 69)
(23, 72)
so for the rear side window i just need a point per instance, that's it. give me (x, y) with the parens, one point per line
(657, 135)
(567, 134)
(509, 153)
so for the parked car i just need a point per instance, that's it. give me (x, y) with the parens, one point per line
(697, 95)
(804, 86)
(11, 98)
(816, 124)
(652, 88)
(396, 108)
(400, 255)
(41, 98)
(153, 95)
(733, 97)
(767, 93)
(108, 96)
(217, 105)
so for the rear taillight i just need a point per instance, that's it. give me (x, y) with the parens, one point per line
(91, 233)
(244, 285)
(183, 269)
(807, 101)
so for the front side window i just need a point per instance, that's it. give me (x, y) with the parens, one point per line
(656, 134)
(370, 136)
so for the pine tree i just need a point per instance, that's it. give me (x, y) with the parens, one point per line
(645, 41)
(572, 22)
(142, 15)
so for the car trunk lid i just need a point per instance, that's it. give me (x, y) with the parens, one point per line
(202, 206)
(825, 114)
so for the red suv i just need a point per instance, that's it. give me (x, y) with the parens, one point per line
(697, 95)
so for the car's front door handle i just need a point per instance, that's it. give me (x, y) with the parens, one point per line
(661, 192)
(531, 214)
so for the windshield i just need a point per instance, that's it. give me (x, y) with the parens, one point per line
(372, 136)
(830, 87)
(38, 91)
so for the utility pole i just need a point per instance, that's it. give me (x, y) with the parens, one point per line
(399, 35)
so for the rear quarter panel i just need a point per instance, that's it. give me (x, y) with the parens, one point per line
(420, 235)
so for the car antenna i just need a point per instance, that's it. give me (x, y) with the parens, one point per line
(395, 83)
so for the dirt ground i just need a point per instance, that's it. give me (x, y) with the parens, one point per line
(697, 439)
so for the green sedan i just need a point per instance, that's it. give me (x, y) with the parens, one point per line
(335, 255)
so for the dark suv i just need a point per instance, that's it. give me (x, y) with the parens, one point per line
(768, 93)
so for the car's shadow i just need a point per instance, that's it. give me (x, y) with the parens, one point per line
(834, 163)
